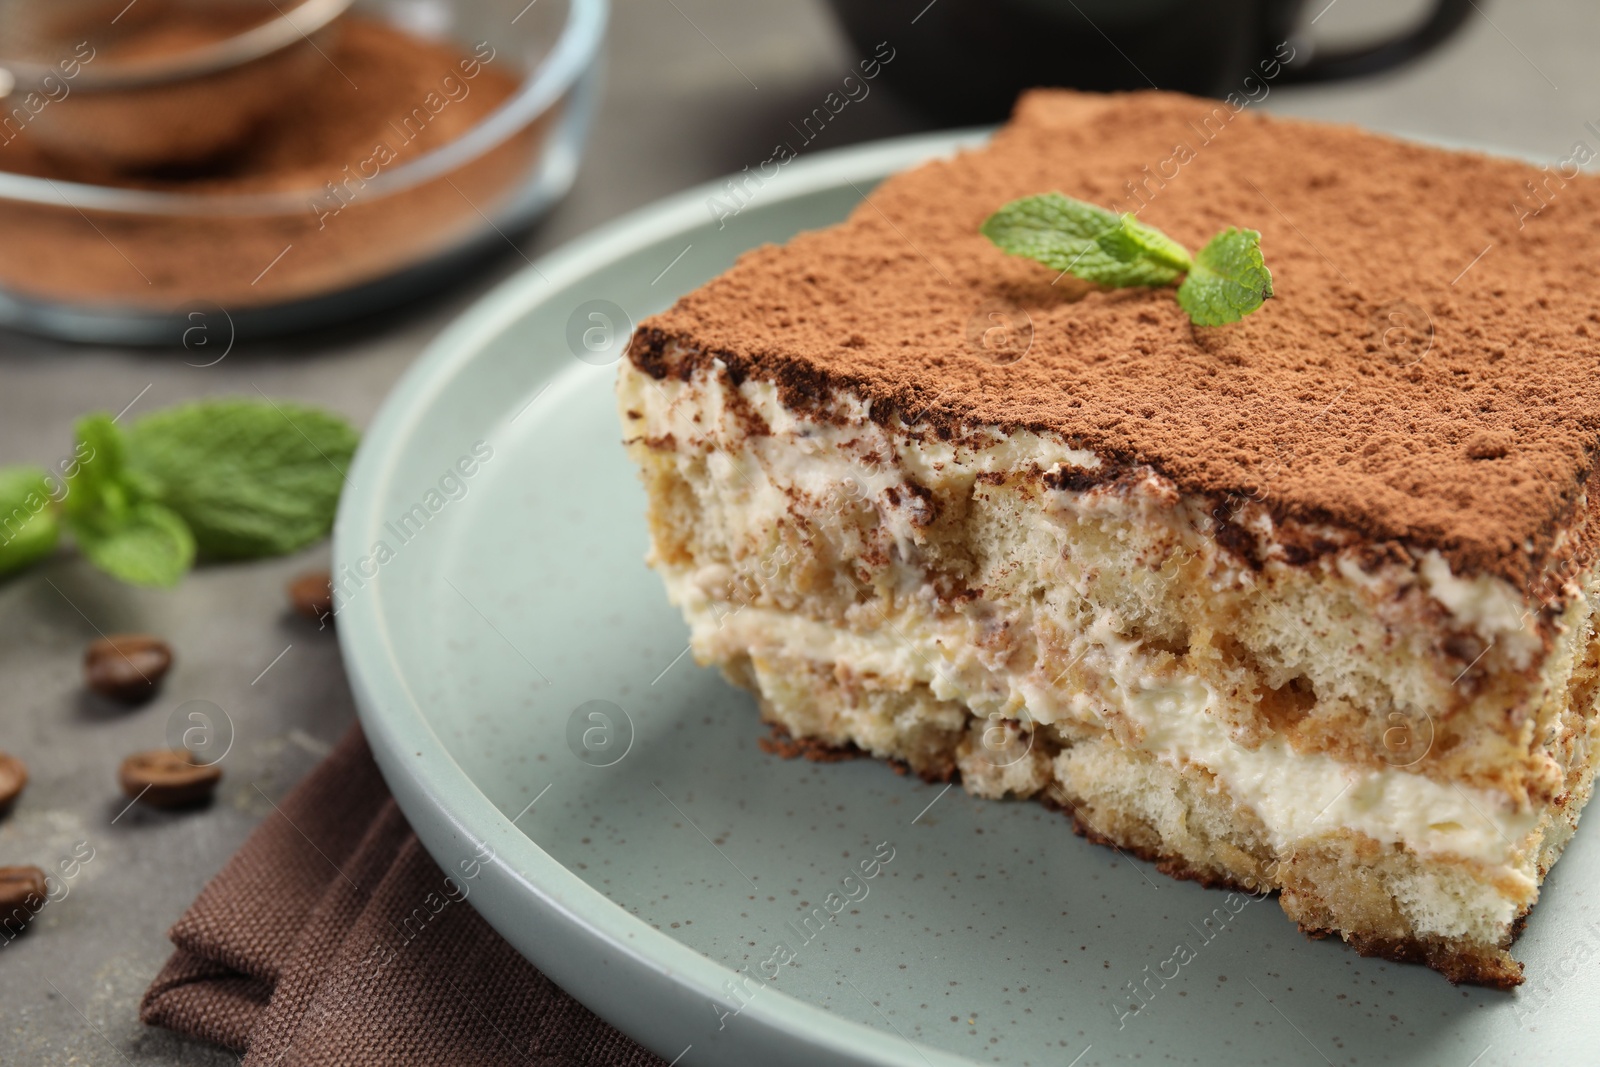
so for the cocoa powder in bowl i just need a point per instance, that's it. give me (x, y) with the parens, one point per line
(294, 211)
(151, 87)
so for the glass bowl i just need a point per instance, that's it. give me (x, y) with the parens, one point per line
(106, 263)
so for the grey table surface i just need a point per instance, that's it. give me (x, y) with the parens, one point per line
(679, 109)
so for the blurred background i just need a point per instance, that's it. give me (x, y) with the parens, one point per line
(688, 91)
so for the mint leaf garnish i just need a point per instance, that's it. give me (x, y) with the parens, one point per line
(149, 545)
(249, 478)
(28, 525)
(1155, 253)
(1227, 281)
(223, 478)
(95, 493)
(1088, 241)
(117, 525)
(100, 493)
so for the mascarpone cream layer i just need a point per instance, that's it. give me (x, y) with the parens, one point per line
(1297, 796)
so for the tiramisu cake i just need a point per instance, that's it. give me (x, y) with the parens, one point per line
(1300, 603)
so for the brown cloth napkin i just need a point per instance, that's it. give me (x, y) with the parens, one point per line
(332, 939)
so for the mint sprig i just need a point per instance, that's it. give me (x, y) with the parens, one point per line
(220, 479)
(250, 479)
(115, 518)
(148, 545)
(29, 528)
(1226, 281)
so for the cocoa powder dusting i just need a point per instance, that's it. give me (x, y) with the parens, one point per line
(1404, 382)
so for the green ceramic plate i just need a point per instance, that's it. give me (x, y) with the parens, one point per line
(524, 685)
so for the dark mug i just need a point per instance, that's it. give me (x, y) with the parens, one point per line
(966, 60)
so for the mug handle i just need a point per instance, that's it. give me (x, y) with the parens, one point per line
(1443, 21)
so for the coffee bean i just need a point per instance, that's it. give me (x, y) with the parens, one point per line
(22, 893)
(168, 778)
(13, 777)
(312, 594)
(127, 667)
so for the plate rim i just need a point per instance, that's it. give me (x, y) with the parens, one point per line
(442, 803)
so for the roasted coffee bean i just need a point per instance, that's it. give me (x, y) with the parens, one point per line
(127, 667)
(22, 894)
(168, 778)
(13, 778)
(312, 594)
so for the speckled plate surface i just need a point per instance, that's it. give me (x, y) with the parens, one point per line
(524, 685)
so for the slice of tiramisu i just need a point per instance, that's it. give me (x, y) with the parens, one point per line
(1301, 602)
